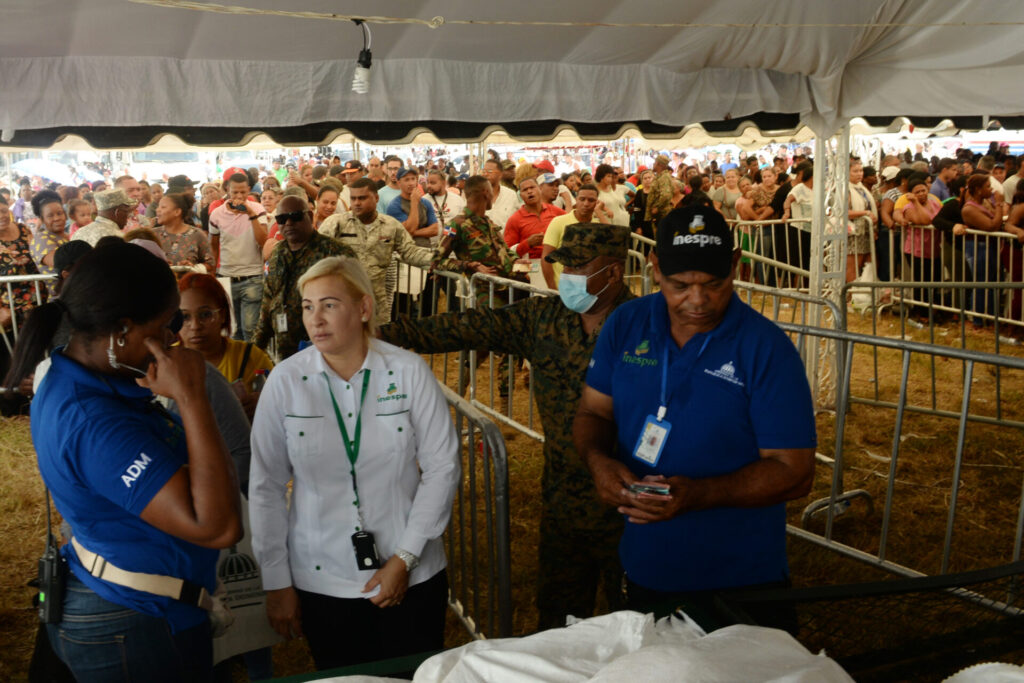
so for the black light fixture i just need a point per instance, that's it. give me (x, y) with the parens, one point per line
(361, 78)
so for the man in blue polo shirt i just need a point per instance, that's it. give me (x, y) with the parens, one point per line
(691, 390)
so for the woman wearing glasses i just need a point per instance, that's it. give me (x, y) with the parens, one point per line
(151, 497)
(206, 328)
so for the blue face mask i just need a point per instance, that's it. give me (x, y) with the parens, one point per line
(572, 290)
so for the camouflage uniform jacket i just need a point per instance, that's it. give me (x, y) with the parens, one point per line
(659, 196)
(475, 238)
(373, 244)
(281, 291)
(551, 337)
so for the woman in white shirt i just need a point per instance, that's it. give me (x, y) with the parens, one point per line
(863, 219)
(361, 428)
(613, 196)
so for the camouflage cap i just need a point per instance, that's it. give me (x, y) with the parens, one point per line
(584, 242)
(111, 199)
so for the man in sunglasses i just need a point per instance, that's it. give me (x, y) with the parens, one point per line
(281, 308)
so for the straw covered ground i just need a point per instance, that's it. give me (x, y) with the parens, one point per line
(989, 491)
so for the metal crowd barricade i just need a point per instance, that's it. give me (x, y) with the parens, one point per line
(638, 265)
(416, 299)
(477, 540)
(987, 262)
(874, 547)
(8, 282)
(495, 299)
(766, 259)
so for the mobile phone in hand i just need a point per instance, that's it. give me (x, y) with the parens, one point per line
(654, 488)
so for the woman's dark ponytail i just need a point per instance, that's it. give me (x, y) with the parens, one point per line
(34, 341)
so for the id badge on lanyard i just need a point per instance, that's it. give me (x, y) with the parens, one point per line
(654, 434)
(363, 542)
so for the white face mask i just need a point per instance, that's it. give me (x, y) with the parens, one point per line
(572, 290)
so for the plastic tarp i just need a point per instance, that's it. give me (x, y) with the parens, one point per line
(107, 68)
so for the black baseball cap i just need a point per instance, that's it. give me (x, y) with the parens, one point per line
(694, 238)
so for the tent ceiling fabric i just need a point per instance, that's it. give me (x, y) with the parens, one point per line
(119, 73)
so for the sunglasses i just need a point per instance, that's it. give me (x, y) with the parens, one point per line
(294, 217)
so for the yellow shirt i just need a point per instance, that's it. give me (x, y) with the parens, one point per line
(553, 236)
(231, 363)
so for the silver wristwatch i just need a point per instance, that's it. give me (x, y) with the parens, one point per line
(411, 561)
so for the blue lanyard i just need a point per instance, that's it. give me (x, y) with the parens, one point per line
(663, 408)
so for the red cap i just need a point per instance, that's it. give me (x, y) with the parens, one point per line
(232, 171)
(545, 166)
(641, 169)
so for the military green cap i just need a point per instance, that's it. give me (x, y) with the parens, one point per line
(584, 242)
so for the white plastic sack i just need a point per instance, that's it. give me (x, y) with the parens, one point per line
(626, 646)
(861, 297)
(734, 653)
(991, 672)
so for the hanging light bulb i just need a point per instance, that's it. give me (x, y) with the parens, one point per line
(361, 78)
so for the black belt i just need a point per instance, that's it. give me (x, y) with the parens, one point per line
(242, 278)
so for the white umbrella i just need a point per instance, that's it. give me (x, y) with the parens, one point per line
(50, 170)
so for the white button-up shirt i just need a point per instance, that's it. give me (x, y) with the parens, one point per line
(407, 470)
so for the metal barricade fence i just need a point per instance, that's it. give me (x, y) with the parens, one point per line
(775, 253)
(502, 380)
(920, 552)
(477, 539)
(988, 261)
(9, 283)
(937, 335)
(638, 265)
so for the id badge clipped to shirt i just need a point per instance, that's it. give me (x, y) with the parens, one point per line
(281, 322)
(652, 440)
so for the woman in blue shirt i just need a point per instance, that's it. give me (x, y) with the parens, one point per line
(144, 491)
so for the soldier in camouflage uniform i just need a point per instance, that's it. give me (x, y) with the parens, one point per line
(475, 240)
(374, 237)
(578, 534)
(302, 246)
(659, 194)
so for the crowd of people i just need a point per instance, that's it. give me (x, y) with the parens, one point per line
(263, 308)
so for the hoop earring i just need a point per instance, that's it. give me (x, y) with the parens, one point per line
(120, 342)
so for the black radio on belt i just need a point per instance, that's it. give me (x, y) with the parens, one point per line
(53, 576)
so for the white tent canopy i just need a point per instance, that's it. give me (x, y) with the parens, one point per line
(100, 68)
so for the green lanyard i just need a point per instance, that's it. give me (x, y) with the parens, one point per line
(351, 445)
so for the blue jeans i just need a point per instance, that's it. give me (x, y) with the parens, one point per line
(984, 266)
(103, 641)
(246, 298)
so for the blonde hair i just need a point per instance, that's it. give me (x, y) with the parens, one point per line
(356, 280)
(524, 171)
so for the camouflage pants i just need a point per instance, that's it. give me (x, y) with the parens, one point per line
(575, 564)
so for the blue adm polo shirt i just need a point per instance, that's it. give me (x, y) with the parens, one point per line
(104, 451)
(731, 391)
